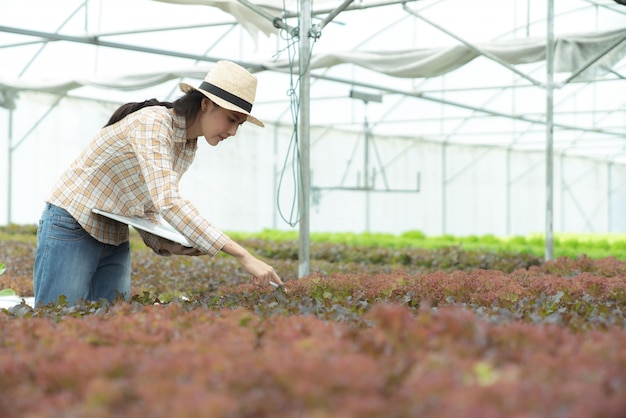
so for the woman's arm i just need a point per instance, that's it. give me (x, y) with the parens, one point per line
(261, 272)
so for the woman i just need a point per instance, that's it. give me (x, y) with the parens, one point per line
(132, 167)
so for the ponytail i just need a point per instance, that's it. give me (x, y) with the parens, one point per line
(188, 106)
(128, 108)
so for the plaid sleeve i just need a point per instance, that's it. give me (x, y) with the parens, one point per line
(152, 141)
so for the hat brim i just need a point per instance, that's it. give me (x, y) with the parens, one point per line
(186, 88)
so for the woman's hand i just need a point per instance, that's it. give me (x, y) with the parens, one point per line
(170, 247)
(261, 272)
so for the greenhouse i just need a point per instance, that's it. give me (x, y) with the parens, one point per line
(441, 116)
(431, 222)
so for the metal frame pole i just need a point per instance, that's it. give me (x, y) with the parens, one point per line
(10, 169)
(549, 244)
(304, 125)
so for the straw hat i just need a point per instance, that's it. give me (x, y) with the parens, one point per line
(230, 86)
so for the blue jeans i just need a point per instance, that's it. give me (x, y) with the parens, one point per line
(71, 262)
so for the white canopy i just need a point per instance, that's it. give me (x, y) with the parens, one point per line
(571, 53)
(444, 98)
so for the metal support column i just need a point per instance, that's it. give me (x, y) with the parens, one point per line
(10, 169)
(305, 140)
(549, 245)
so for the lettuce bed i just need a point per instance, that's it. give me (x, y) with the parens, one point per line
(372, 332)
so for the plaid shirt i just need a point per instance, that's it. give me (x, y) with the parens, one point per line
(133, 168)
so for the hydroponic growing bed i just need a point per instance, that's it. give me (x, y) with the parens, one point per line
(373, 332)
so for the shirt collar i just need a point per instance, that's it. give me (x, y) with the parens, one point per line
(179, 124)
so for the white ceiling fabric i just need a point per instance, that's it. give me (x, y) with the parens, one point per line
(570, 54)
(252, 21)
(125, 82)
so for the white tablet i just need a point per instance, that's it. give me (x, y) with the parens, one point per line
(160, 229)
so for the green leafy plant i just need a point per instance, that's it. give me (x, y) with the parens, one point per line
(5, 292)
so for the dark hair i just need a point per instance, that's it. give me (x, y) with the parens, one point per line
(187, 105)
